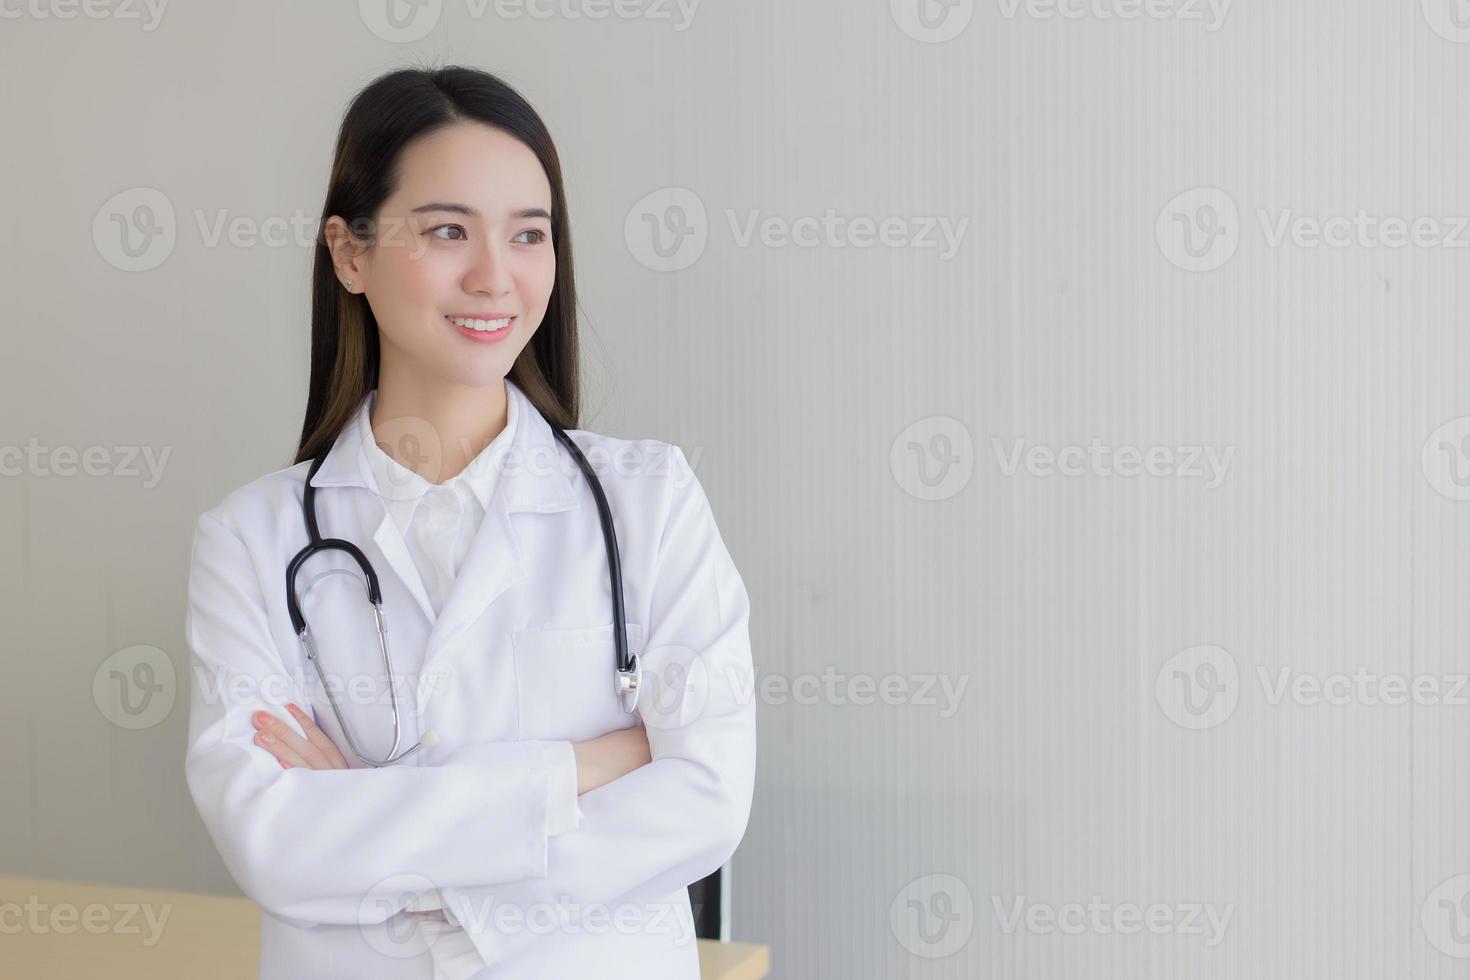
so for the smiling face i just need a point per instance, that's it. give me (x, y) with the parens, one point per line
(464, 241)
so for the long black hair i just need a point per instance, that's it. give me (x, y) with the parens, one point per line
(384, 117)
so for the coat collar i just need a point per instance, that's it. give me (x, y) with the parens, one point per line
(535, 475)
(403, 490)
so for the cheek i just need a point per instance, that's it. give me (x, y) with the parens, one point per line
(420, 278)
(406, 289)
(409, 287)
(536, 282)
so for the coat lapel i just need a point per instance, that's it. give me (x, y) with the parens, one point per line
(391, 544)
(346, 467)
(535, 475)
(531, 477)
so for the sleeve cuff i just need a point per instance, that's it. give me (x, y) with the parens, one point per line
(562, 812)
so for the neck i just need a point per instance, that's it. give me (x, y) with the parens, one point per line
(407, 416)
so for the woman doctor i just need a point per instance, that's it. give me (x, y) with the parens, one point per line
(537, 827)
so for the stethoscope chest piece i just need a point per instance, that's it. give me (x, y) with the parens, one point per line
(627, 682)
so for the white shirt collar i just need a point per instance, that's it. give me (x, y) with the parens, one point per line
(402, 489)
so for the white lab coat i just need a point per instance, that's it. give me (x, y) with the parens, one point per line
(519, 664)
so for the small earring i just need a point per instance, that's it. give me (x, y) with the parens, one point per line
(349, 285)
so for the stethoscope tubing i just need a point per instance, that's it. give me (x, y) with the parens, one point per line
(627, 676)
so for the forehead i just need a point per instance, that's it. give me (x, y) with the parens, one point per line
(474, 164)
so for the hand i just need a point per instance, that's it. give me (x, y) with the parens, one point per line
(605, 758)
(316, 751)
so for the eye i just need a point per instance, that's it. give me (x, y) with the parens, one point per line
(541, 235)
(438, 228)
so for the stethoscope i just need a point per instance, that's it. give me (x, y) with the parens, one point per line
(626, 678)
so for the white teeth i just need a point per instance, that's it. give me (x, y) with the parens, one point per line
(480, 324)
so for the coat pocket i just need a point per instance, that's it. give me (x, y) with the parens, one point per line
(564, 681)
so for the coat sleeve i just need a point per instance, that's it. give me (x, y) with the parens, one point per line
(676, 820)
(337, 846)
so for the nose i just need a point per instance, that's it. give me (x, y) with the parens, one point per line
(489, 273)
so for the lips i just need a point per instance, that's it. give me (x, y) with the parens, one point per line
(483, 331)
(481, 321)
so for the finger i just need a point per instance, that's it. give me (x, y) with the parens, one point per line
(287, 758)
(282, 733)
(318, 738)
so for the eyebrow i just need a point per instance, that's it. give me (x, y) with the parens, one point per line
(466, 209)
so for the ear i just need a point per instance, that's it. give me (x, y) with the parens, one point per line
(347, 254)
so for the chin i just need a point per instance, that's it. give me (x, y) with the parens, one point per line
(486, 372)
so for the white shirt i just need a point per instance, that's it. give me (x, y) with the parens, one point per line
(438, 523)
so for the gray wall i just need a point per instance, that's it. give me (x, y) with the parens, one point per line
(1113, 646)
